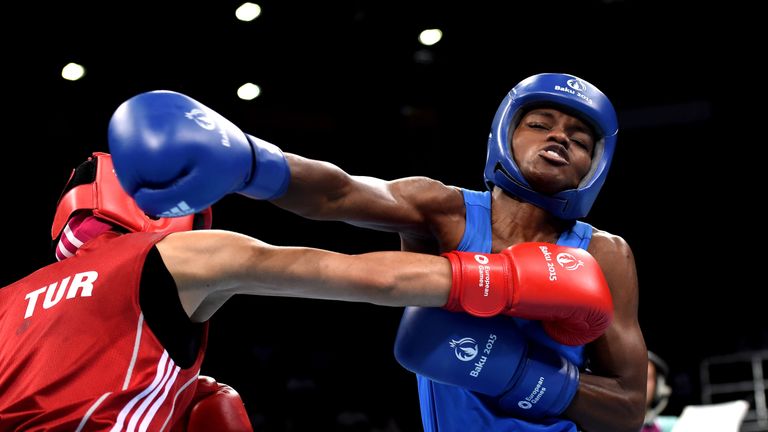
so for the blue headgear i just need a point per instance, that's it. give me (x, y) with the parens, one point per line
(574, 95)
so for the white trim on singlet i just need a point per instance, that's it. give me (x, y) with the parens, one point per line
(176, 397)
(90, 411)
(156, 404)
(135, 354)
(165, 368)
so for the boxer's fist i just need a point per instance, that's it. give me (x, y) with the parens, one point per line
(215, 407)
(175, 156)
(561, 286)
(489, 356)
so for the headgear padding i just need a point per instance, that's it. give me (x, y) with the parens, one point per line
(93, 186)
(575, 96)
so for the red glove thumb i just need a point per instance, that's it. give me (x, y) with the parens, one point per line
(217, 407)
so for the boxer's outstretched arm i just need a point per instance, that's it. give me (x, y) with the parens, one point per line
(176, 156)
(321, 190)
(210, 266)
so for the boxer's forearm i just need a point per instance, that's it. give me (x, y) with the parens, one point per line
(211, 266)
(384, 278)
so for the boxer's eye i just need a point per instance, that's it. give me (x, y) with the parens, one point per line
(536, 125)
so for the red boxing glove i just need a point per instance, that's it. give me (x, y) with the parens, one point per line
(563, 287)
(215, 407)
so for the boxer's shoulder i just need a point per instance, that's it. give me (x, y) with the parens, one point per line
(605, 244)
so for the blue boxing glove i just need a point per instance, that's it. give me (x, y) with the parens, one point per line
(175, 156)
(488, 356)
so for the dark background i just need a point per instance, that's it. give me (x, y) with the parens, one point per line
(341, 82)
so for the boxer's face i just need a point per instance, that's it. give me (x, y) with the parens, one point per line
(552, 149)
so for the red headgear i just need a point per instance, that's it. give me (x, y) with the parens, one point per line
(102, 194)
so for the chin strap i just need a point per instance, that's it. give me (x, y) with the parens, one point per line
(79, 230)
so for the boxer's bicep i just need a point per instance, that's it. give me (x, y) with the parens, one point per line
(205, 266)
(322, 191)
(617, 359)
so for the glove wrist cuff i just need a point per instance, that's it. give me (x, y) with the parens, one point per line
(481, 284)
(545, 388)
(270, 174)
(454, 297)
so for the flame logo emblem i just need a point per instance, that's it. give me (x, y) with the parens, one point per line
(464, 348)
(201, 118)
(577, 85)
(568, 261)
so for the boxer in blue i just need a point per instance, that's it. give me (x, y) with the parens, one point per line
(562, 358)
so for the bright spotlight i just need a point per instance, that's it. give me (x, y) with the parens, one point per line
(248, 12)
(248, 91)
(430, 36)
(72, 72)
